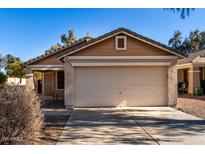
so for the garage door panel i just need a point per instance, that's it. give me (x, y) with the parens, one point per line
(107, 92)
(114, 86)
(107, 101)
(88, 92)
(91, 101)
(150, 88)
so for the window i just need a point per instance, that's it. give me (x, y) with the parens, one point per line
(120, 43)
(60, 80)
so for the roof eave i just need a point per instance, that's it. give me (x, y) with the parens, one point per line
(50, 54)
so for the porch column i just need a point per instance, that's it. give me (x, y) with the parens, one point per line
(29, 79)
(194, 79)
(172, 84)
(69, 84)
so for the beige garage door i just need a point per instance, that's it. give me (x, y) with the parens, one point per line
(125, 86)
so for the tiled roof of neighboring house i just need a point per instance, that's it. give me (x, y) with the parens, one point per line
(84, 44)
(191, 57)
(46, 54)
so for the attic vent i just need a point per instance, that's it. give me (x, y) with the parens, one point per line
(120, 43)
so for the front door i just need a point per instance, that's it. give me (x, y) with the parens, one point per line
(48, 83)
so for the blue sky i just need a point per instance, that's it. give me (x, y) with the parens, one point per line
(27, 33)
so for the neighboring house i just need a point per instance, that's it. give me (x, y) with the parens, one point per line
(192, 70)
(118, 68)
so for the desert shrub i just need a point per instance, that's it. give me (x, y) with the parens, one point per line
(3, 78)
(21, 120)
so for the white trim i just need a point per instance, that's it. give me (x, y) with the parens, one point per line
(45, 66)
(122, 57)
(116, 43)
(117, 34)
(122, 64)
(181, 66)
(193, 71)
(46, 69)
(57, 80)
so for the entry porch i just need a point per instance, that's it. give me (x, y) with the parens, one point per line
(47, 81)
(193, 74)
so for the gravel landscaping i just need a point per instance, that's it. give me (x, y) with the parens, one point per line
(53, 129)
(194, 105)
(55, 118)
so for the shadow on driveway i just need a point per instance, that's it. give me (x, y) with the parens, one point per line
(133, 126)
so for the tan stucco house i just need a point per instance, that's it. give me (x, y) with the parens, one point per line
(192, 70)
(119, 68)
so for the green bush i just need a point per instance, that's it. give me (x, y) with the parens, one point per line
(198, 92)
(202, 85)
(3, 78)
(21, 120)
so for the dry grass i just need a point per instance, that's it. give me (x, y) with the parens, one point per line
(21, 120)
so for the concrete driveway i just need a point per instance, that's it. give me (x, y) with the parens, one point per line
(143, 125)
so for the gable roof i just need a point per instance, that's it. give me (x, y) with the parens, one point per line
(88, 41)
(83, 45)
(191, 57)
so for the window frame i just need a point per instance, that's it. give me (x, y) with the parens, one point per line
(57, 80)
(116, 43)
